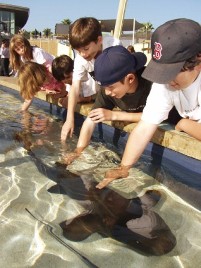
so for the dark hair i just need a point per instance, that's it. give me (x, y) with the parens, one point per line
(83, 31)
(131, 49)
(191, 63)
(122, 81)
(5, 42)
(62, 66)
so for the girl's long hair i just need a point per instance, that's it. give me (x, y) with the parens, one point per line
(15, 59)
(31, 77)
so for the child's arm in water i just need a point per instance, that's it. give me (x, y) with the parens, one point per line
(26, 104)
(83, 141)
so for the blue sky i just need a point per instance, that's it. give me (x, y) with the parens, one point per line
(46, 13)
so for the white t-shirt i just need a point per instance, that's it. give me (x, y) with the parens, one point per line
(68, 87)
(161, 100)
(5, 53)
(42, 57)
(82, 68)
(85, 85)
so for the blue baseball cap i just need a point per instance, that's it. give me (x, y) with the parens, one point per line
(115, 62)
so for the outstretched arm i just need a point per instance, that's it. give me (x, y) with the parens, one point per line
(73, 96)
(86, 133)
(137, 142)
(26, 104)
(84, 139)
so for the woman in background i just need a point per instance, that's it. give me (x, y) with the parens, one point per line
(4, 51)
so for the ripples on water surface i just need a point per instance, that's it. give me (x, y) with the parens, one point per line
(55, 217)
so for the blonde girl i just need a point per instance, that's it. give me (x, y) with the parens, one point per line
(22, 51)
(33, 77)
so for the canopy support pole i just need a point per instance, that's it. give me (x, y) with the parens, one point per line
(120, 18)
(133, 41)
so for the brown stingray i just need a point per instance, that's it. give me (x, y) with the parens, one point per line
(131, 222)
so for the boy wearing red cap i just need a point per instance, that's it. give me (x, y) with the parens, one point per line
(175, 69)
(119, 74)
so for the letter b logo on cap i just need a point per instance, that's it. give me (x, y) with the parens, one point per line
(157, 51)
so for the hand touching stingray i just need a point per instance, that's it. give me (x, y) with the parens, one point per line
(113, 174)
(69, 158)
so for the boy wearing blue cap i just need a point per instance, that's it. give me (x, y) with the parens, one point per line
(175, 69)
(119, 74)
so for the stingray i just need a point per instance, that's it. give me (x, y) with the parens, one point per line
(132, 222)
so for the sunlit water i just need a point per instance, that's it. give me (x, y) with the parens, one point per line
(38, 196)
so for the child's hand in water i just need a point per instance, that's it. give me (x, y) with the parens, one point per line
(113, 174)
(69, 158)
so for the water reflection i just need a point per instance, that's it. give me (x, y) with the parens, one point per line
(125, 225)
(106, 212)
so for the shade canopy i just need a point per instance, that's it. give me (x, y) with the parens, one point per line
(128, 25)
(21, 14)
